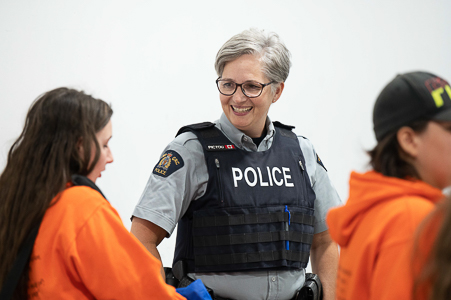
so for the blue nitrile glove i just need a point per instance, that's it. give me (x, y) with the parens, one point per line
(195, 291)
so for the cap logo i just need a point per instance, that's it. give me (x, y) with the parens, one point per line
(437, 87)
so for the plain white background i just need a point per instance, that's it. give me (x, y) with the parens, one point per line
(153, 61)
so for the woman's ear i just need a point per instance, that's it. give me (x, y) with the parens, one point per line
(409, 141)
(278, 92)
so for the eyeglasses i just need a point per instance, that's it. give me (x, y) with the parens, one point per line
(251, 89)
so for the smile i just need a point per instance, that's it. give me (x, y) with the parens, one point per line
(241, 110)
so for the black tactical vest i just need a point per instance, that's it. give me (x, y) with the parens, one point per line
(257, 211)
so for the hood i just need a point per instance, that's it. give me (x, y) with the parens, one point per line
(367, 190)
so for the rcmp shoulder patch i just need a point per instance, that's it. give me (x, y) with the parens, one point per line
(320, 162)
(169, 162)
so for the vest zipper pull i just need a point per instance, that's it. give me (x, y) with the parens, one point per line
(217, 163)
(301, 165)
(221, 196)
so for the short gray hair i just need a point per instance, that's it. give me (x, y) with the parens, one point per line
(267, 45)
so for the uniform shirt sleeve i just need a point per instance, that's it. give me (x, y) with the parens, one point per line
(326, 195)
(166, 199)
(112, 263)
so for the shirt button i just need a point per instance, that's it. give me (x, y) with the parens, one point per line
(273, 279)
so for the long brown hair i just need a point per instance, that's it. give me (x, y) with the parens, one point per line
(41, 162)
(432, 255)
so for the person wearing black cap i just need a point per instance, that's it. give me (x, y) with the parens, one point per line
(411, 166)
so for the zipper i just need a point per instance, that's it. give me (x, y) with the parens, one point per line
(301, 165)
(218, 173)
(303, 176)
(287, 225)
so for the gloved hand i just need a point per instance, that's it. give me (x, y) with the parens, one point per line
(195, 291)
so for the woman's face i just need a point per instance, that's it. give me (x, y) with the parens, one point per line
(106, 157)
(248, 114)
(433, 156)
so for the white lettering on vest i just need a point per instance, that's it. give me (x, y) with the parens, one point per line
(246, 177)
(262, 183)
(279, 183)
(237, 175)
(269, 176)
(286, 177)
(252, 176)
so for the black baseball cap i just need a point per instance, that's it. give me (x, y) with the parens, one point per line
(410, 97)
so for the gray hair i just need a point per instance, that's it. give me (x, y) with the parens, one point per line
(267, 45)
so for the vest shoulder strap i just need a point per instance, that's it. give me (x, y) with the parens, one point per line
(210, 137)
(285, 130)
(281, 125)
(196, 127)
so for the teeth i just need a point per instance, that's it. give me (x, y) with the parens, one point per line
(241, 110)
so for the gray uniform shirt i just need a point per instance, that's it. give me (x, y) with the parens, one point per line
(166, 199)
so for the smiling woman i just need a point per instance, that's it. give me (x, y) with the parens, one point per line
(255, 176)
(247, 113)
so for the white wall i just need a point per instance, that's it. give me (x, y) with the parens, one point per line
(153, 61)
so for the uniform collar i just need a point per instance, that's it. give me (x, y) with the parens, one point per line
(242, 140)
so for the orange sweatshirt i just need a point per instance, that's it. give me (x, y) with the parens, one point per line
(375, 230)
(83, 251)
(423, 249)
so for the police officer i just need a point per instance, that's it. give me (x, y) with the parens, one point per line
(249, 196)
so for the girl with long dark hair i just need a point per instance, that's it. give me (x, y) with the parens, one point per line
(82, 250)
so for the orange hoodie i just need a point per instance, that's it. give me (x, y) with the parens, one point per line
(375, 230)
(83, 251)
(424, 250)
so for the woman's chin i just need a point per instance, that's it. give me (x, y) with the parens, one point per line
(240, 124)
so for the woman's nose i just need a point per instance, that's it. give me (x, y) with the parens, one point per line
(239, 96)
(110, 158)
